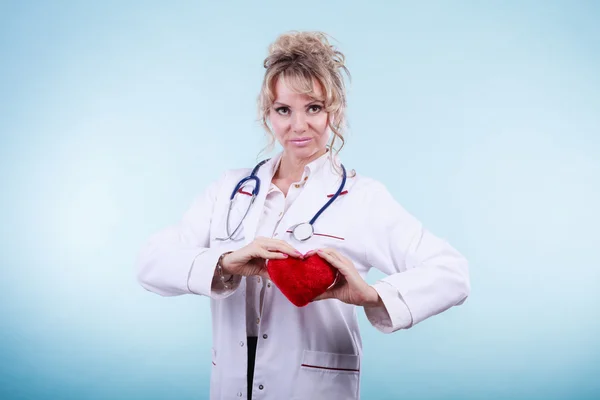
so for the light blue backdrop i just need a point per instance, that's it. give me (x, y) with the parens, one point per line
(482, 118)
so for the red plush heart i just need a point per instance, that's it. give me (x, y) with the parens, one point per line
(301, 280)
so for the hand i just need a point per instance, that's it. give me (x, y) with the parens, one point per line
(251, 259)
(349, 287)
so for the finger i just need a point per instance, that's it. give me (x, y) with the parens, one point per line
(347, 273)
(332, 259)
(283, 247)
(345, 262)
(273, 255)
(336, 254)
(345, 268)
(310, 253)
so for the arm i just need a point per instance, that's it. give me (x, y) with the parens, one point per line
(178, 259)
(426, 275)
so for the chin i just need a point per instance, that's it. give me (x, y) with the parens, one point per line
(302, 152)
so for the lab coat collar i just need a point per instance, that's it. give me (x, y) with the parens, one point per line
(311, 168)
(328, 182)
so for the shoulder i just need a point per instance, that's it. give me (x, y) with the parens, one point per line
(235, 174)
(380, 202)
(376, 196)
(224, 182)
(229, 178)
(368, 187)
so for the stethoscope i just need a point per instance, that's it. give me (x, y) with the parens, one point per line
(302, 231)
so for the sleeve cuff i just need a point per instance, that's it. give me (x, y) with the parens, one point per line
(202, 279)
(393, 315)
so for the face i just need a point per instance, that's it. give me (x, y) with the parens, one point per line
(299, 121)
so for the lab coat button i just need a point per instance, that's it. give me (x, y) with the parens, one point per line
(265, 336)
(242, 344)
(261, 387)
(239, 394)
(296, 186)
(258, 320)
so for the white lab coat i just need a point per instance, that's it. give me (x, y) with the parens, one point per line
(313, 352)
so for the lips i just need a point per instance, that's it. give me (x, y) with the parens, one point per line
(300, 140)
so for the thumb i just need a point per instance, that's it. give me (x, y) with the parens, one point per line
(329, 294)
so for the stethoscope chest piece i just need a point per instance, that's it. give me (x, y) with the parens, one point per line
(303, 231)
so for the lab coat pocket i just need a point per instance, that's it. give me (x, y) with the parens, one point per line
(327, 376)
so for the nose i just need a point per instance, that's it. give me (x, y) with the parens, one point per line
(299, 123)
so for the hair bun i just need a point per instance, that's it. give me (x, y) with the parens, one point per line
(294, 46)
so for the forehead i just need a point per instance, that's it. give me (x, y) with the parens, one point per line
(290, 89)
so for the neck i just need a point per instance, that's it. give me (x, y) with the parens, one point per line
(292, 168)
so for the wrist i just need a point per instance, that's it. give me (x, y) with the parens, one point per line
(372, 299)
(223, 262)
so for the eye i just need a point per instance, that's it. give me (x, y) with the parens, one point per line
(314, 108)
(282, 110)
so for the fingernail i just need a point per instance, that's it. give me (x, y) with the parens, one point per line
(285, 256)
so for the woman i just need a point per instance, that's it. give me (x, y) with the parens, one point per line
(265, 346)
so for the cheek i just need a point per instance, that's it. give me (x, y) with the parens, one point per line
(278, 124)
(320, 125)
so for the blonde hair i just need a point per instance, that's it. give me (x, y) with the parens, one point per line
(301, 58)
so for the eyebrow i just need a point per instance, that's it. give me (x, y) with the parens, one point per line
(306, 105)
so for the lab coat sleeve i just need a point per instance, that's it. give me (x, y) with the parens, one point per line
(178, 259)
(426, 275)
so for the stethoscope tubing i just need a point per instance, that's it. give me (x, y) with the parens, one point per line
(256, 190)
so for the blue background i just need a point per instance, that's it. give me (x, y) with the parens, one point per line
(482, 118)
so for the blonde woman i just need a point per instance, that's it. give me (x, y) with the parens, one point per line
(259, 239)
